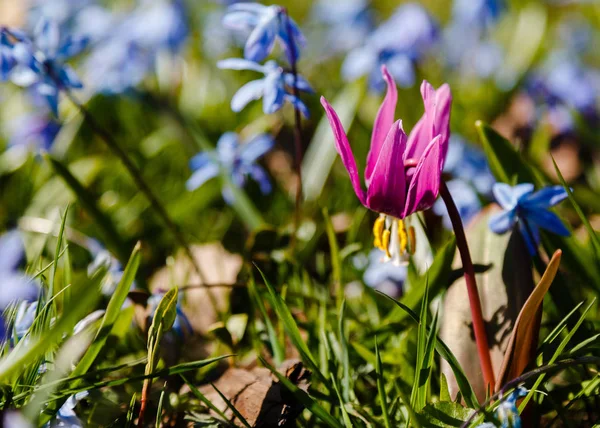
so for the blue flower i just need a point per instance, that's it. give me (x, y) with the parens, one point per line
(66, 416)
(35, 132)
(399, 43)
(529, 210)
(122, 59)
(507, 413)
(388, 278)
(14, 285)
(274, 88)
(477, 13)
(467, 162)
(39, 62)
(234, 159)
(266, 24)
(466, 200)
(564, 81)
(348, 23)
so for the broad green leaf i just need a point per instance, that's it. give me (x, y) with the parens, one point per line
(446, 414)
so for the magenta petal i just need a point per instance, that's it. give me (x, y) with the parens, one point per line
(387, 189)
(343, 147)
(425, 182)
(435, 121)
(383, 123)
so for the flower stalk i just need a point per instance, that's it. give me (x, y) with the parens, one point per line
(297, 123)
(137, 177)
(483, 349)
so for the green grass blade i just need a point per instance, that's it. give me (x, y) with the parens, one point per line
(203, 398)
(345, 357)
(345, 416)
(416, 394)
(381, 387)
(276, 346)
(235, 411)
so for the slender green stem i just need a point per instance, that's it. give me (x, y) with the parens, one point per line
(297, 125)
(137, 177)
(469, 273)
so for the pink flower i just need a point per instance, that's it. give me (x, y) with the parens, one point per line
(403, 173)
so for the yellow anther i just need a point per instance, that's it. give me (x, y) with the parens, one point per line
(378, 232)
(402, 236)
(386, 242)
(412, 239)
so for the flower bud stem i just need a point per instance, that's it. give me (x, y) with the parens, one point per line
(469, 272)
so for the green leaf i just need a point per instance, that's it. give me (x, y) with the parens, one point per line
(292, 329)
(506, 163)
(334, 252)
(381, 387)
(235, 411)
(276, 346)
(446, 414)
(590, 230)
(463, 382)
(165, 313)
(345, 356)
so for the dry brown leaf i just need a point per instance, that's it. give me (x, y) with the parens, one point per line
(503, 290)
(523, 340)
(258, 396)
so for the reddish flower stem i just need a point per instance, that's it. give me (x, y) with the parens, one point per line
(469, 272)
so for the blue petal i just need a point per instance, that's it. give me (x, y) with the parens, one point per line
(243, 21)
(301, 83)
(201, 176)
(249, 92)
(502, 222)
(47, 38)
(297, 103)
(358, 63)
(72, 46)
(69, 78)
(260, 176)
(545, 198)
(7, 62)
(256, 148)
(261, 40)
(255, 8)
(227, 148)
(291, 47)
(402, 69)
(200, 160)
(507, 196)
(240, 64)
(274, 92)
(548, 220)
(11, 251)
(17, 287)
(531, 235)
(23, 76)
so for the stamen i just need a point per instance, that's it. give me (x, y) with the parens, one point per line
(402, 236)
(386, 243)
(412, 240)
(378, 232)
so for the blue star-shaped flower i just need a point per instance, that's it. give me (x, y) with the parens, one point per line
(529, 210)
(234, 159)
(39, 62)
(266, 24)
(14, 285)
(274, 88)
(399, 43)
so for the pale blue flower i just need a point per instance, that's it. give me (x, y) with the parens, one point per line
(14, 285)
(265, 25)
(507, 413)
(236, 160)
(529, 210)
(399, 43)
(388, 278)
(39, 62)
(467, 162)
(34, 131)
(66, 416)
(274, 88)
